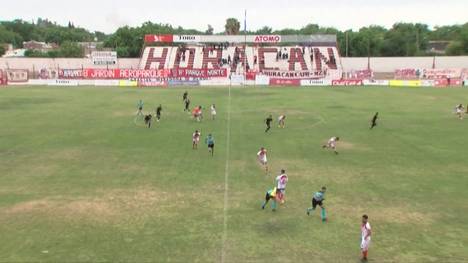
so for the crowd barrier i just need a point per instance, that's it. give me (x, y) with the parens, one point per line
(212, 77)
(238, 81)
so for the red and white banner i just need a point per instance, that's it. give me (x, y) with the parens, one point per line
(48, 73)
(2, 78)
(347, 82)
(294, 74)
(442, 73)
(407, 73)
(360, 74)
(285, 82)
(70, 73)
(159, 38)
(199, 73)
(17, 75)
(152, 83)
(448, 82)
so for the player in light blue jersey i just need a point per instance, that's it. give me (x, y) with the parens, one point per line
(318, 199)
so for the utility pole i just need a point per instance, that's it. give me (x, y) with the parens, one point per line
(417, 41)
(368, 53)
(347, 43)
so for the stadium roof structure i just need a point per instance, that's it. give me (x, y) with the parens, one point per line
(319, 39)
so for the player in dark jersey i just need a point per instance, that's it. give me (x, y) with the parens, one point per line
(268, 123)
(187, 105)
(185, 96)
(158, 113)
(374, 120)
(148, 120)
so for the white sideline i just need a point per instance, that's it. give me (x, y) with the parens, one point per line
(226, 178)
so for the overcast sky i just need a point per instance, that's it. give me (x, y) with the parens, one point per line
(108, 15)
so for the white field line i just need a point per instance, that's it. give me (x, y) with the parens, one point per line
(226, 180)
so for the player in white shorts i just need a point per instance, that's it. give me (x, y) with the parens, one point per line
(281, 181)
(281, 121)
(262, 158)
(195, 139)
(331, 144)
(213, 111)
(365, 237)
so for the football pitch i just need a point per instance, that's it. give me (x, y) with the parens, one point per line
(80, 181)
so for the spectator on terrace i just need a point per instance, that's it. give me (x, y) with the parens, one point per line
(229, 59)
(255, 60)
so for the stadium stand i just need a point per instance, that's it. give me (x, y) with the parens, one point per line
(238, 59)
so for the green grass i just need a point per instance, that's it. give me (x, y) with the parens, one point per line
(79, 181)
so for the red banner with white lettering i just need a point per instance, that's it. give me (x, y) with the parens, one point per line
(159, 38)
(347, 82)
(447, 82)
(285, 82)
(70, 73)
(303, 74)
(407, 73)
(442, 73)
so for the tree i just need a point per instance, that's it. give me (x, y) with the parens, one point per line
(455, 48)
(7, 36)
(464, 38)
(232, 26)
(210, 30)
(405, 39)
(100, 36)
(445, 33)
(70, 50)
(264, 31)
